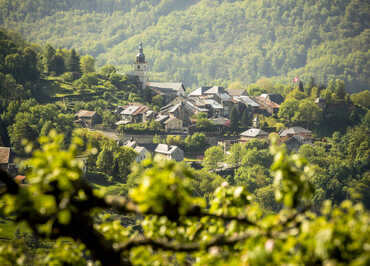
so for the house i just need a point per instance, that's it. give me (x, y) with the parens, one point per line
(173, 124)
(168, 90)
(134, 113)
(169, 152)
(220, 124)
(215, 109)
(87, 118)
(270, 102)
(253, 133)
(295, 131)
(6, 159)
(248, 101)
(142, 153)
(295, 142)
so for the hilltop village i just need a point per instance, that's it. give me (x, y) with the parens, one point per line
(224, 116)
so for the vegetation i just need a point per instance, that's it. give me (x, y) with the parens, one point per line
(195, 41)
(176, 226)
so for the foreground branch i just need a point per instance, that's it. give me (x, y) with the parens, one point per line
(183, 247)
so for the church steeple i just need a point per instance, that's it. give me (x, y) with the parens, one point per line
(140, 57)
(141, 67)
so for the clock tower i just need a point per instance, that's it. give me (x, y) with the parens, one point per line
(141, 67)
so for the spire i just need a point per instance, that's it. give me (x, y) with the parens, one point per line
(140, 57)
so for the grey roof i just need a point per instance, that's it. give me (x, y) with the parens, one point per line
(176, 86)
(130, 110)
(215, 90)
(247, 101)
(254, 132)
(225, 97)
(174, 108)
(294, 131)
(161, 118)
(165, 149)
(199, 92)
(213, 104)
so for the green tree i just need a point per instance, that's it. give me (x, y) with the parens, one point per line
(246, 119)
(234, 119)
(308, 114)
(105, 160)
(73, 63)
(196, 142)
(87, 63)
(287, 110)
(212, 157)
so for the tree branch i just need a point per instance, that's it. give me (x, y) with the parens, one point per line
(183, 247)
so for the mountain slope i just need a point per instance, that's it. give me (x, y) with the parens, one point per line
(205, 41)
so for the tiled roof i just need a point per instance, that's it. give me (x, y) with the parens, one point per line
(294, 131)
(215, 90)
(213, 104)
(165, 149)
(4, 155)
(166, 85)
(199, 92)
(254, 132)
(85, 113)
(247, 100)
(130, 110)
(161, 118)
(221, 121)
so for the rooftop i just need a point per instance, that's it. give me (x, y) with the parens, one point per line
(215, 90)
(294, 131)
(247, 101)
(85, 113)
(165, 149)
(199, 92)
(177, 86)
(254, 132)
(4, 155)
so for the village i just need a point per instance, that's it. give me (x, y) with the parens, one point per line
(206, 109)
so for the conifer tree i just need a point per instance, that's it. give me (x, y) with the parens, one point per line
(246, 118)
(73, 63)
(234, 118)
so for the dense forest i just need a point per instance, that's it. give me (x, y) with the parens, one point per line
(204, 42)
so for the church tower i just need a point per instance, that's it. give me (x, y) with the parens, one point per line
(140, 67)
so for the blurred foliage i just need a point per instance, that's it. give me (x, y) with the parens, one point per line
(176, 226)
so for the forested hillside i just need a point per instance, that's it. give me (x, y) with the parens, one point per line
(206, 41)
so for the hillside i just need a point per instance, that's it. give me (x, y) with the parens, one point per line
(202, 41)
